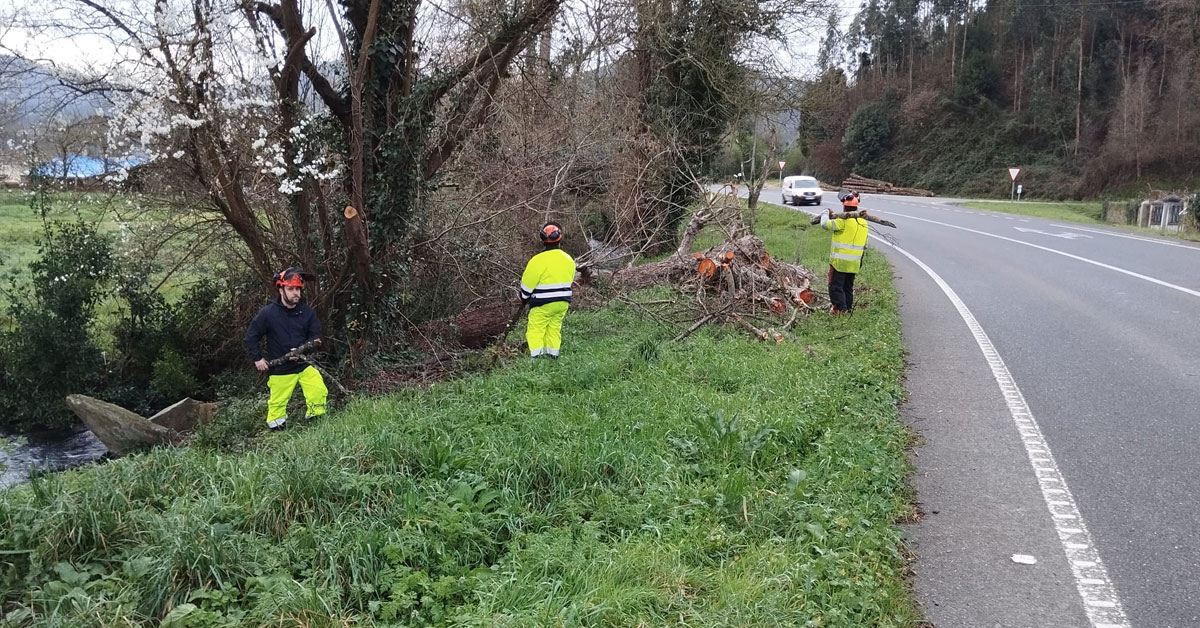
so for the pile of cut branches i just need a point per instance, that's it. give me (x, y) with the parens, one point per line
(735, 283)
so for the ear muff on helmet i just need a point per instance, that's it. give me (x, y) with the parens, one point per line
(551, 233)
(291, 277)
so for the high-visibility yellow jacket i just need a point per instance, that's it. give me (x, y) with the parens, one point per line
(848, 243)
(547, 278)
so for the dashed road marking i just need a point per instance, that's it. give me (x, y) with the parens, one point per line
(1130, 237)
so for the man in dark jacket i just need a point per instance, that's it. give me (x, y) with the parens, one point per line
(287, 324)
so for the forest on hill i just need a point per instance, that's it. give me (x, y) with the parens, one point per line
(1092, 98)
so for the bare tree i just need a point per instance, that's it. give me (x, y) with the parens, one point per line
(217, 92)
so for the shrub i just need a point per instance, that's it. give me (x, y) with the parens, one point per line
(171, 376)
(979, 79)
(50, 351)
(169, 350)
(234, 426)
(160, 351)
(868, 136)
(1191, 220)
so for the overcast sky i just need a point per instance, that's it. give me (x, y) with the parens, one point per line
(797, 55)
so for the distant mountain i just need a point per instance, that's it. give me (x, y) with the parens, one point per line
(31, 93)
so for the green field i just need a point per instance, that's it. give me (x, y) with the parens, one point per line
(634, 482)
(21, 226)
(141, 230)
(1088, 213)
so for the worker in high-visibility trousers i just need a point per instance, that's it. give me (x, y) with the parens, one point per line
(846, 250)
(287, 323)
(546, 289)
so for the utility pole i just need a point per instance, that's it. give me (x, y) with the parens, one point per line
(753, 147)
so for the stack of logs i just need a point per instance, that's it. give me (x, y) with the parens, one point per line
(862, 184)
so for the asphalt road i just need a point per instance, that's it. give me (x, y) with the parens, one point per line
(1063, 424)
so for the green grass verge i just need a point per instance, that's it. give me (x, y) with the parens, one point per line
(1082, 212)
(1185, 235)
(714, 482)
(1088, 213)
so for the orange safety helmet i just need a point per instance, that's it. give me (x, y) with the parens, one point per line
(551, 233)
(290, 277)
(850, 199)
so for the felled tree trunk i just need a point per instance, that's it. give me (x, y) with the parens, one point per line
(124, 432)
(477, 328)
(474, 328)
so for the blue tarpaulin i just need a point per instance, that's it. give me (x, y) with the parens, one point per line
(82, 166)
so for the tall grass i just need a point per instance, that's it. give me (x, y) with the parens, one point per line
(714, 482)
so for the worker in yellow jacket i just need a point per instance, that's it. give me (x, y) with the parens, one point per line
(546, 289)
(846, 250)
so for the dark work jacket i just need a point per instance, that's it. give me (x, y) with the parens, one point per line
(285, 330)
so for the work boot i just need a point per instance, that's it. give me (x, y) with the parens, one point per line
(277, 425)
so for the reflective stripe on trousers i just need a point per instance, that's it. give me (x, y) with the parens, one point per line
(544, 329)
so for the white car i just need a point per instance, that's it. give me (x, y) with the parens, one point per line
(801, 191)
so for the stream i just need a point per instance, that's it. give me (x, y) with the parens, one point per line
(52, 452)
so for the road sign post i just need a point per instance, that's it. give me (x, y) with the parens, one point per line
(781, 164)
(1012, 174)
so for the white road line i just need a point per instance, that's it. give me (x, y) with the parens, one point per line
(1057, 252)
(1130, 237)
(1100, 600)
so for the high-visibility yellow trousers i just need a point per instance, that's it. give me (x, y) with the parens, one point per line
(282, 387)
(544, 331)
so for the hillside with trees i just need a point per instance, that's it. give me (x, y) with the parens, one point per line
(1091, 98)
